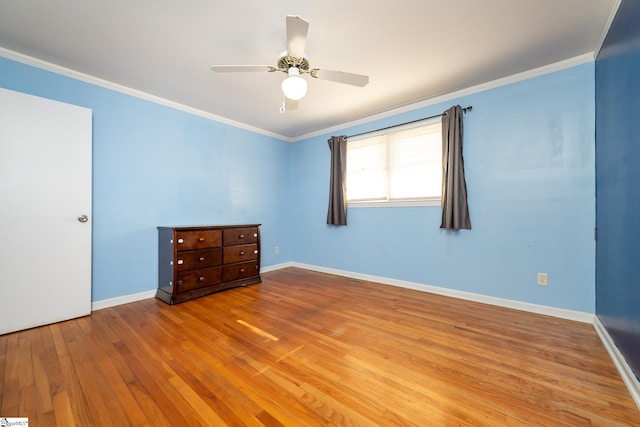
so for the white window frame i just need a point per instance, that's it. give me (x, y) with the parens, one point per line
(423, 201)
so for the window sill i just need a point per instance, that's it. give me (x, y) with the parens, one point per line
(395, 203)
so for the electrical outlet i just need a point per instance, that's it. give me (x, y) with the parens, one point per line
(543, 279)
(277, 250)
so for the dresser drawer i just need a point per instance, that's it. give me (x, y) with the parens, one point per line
(198, 239)
(239, 253)
(202, 258)
(240, 271)
(198, 278)
(239, 236)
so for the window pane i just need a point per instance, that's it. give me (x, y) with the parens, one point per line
(415, 158)
(406, 176)
(366, 170)
(401, 165)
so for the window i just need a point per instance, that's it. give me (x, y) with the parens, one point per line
(398, 168)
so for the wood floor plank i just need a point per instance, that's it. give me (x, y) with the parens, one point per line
(62, 410)
(70, 381)
(151, 384)
(25, 360)
(42, 385)
(91, 378)
(10, 400)
(120, 401)
(311, 349)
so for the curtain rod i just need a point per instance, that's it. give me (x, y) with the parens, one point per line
(464, 110)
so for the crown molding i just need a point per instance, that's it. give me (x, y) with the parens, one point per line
(536, 72)
(607, 27)
(515, 78)
(77, 75)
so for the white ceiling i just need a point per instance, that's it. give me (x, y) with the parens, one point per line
(412, 50)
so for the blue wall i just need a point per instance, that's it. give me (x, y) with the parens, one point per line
(529, 159)
(529, 153)
(154, 165)
(617, 180)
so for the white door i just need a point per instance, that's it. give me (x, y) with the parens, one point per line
(45, 189)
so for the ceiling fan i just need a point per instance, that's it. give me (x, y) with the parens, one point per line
(294, 63)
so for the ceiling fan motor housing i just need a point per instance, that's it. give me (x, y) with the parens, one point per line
(286, 61)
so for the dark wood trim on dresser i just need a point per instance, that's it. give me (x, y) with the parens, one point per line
(200, 260)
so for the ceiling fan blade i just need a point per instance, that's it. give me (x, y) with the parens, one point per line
(341, 77)
(297, 29)
(240, 68)
(290, 104)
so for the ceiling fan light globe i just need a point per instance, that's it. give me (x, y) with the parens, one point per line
(294, 87)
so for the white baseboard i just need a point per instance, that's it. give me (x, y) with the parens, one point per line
(629, 378)
(125, 299)
(561, 313)
(276, 267)
(501, 302)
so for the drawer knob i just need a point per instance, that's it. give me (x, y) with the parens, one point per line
(201, 239)
(180, 240)
(202, 278)
(255, 252)
(255, 234)
(242, 270)
(241, 252)
(180, 262)
(179, 282)
(201, 258)
(241, 236)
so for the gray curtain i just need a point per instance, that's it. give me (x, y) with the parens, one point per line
(455, 212)
(337, 214)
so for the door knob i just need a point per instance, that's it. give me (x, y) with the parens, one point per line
(83, 218)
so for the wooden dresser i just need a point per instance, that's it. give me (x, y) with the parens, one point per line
(196, 261)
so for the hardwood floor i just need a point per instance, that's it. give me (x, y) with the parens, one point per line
(305, 348)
